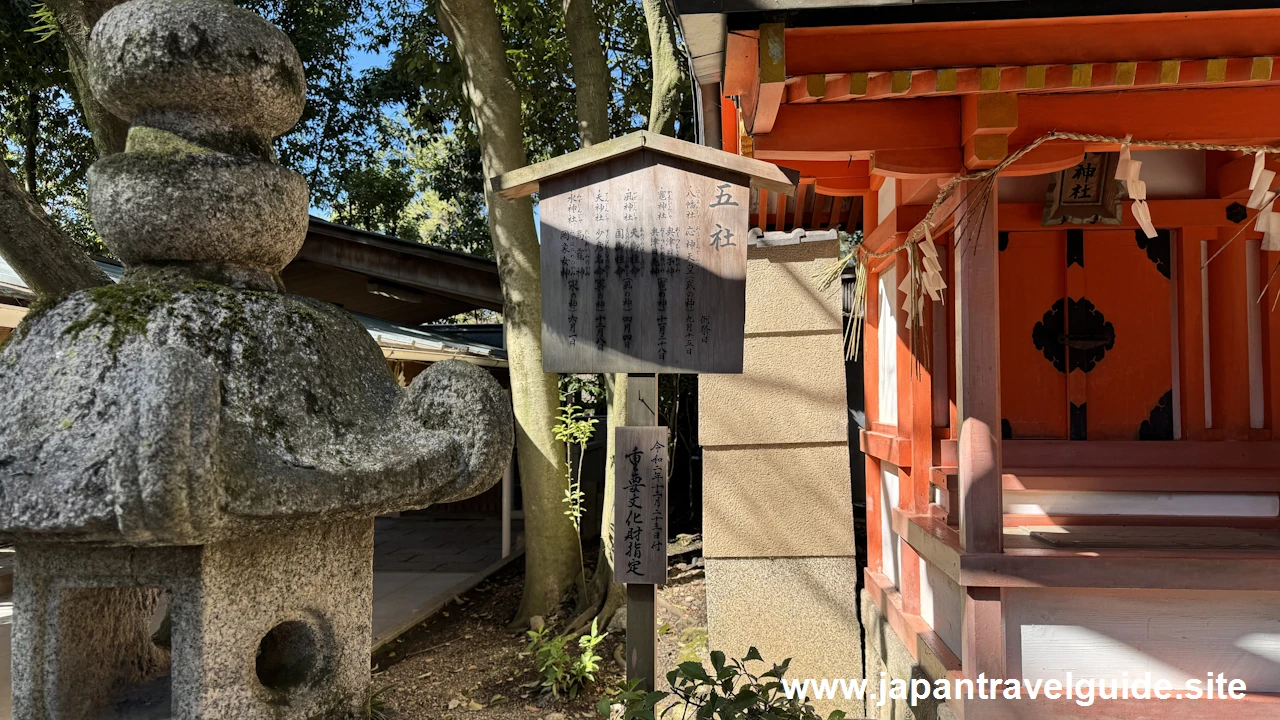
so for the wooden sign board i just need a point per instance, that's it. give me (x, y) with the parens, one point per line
(644, 261)
(1086, 194)
(640, 505)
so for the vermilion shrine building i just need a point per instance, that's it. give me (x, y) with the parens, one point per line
(1078, 469)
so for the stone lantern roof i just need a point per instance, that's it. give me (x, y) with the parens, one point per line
(196, 401)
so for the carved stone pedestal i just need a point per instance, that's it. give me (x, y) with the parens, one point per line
(270, 627)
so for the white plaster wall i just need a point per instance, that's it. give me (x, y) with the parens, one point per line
(887, 335)
(1169, 174)
(941, 605)
(1063, 502)
(890, 552)
(886, 199)
(1174, 635)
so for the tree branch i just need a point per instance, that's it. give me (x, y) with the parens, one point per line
(75, 19)
(31, 141)
(667, 75)
(37, 248)
(590, 71)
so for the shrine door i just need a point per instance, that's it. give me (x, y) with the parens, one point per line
(1086, 350)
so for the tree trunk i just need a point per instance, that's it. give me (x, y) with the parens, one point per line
(37, 249)
(606, 595)
(609, 594)
(32, 141)
(593, 96)
(75, 19)
(553, 553)
(668, 77)
(590, 71)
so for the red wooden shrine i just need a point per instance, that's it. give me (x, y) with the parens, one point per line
(1086, 475)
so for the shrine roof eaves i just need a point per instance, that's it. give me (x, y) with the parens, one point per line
(525, 181)
(749, 14)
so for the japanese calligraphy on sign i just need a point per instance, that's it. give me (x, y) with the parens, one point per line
(643, 267)
(1085, 194)
(640, 506)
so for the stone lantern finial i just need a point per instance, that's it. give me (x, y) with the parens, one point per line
(206, 87)
(195, 433)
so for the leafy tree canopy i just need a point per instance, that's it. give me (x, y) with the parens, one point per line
(423, 79)
(44, 140)
(389, 148)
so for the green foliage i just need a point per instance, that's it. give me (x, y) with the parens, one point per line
(424, 79)
(637, 704)
(42, 138)
(574, 428)
(451, 212)
(733, 692)
(586, 389)
(564, 674)
(425, 76)
(42, 130)
(44, 24)
(335, 135)
(420, 188)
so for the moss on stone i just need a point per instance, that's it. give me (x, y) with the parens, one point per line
(37, 310)
(162, 142)
(122, 311)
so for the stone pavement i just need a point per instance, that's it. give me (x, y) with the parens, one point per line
(421, 562)
(446, 544)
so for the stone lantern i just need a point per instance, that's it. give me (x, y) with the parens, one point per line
(197, 433)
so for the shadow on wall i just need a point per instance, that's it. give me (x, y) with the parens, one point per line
(648, 302)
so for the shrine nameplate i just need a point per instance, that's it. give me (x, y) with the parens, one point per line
(640, 505)
(644, 267)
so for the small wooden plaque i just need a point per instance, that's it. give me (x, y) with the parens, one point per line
(644, 262)
(1087, 194)
(640, 505)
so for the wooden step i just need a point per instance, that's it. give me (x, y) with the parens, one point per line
(1185, 479)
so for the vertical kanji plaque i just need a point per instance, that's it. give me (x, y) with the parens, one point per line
(640, 505)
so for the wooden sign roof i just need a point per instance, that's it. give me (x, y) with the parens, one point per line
(525, 181)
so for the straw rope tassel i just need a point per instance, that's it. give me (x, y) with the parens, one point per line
(980, 194)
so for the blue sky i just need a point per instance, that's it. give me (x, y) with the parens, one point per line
(362, 60)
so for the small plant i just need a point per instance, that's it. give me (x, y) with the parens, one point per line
(375, 706)
(46, 25)
(573, 427)
(563, 674)
(734, 693)
(632, 702)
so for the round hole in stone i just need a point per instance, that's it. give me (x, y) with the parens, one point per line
(288, 655)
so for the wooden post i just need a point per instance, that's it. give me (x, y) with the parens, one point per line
(642, 625)
(508, 483)
(508, 490)
(977, 293)
(982, 642)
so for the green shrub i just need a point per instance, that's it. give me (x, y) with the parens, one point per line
(563, 673)
(734, 693)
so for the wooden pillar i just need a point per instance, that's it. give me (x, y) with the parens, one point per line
(983, 639)
(1228, 337)
(977, 293)
(508, 487)
(712, 132)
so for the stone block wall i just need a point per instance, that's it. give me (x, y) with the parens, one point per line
(888, 659)
(777, 507)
